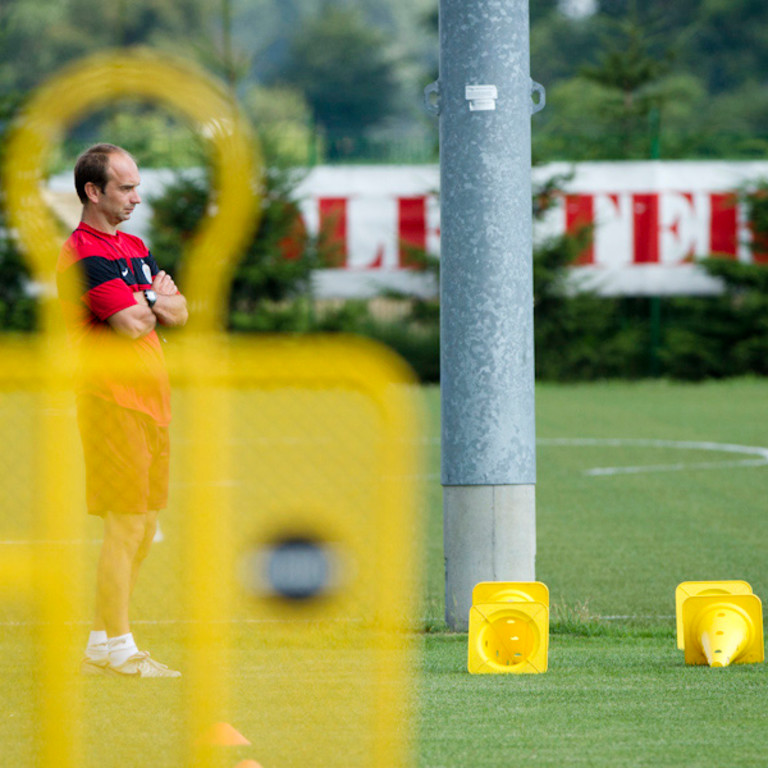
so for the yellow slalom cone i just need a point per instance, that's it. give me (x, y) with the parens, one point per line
(692, 588)
(510, 592)
(509, 628)
(223, 735)
(720, 630)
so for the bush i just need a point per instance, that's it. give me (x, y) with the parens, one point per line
(18, 306)
(276, 267)
(584, 336)
(580, 336)
(415, 339)
(724, 335)
(719, 336)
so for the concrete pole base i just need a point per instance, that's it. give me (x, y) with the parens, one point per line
(489, 535)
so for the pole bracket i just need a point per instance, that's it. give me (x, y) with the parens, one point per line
(432, 98)
(538, 89)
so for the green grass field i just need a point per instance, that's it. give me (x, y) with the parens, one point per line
(640, 486)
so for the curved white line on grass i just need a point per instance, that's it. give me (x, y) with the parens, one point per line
(48, 542)
(759, 452)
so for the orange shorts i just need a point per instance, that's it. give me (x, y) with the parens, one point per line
(127, 457)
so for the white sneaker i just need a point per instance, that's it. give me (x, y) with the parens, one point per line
(141, 665)
(92, 667)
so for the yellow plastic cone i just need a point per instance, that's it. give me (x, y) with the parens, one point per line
(508, 628)
(510, 592)
(508, 638)
(223, 735)
(720, 630)
(692, 588)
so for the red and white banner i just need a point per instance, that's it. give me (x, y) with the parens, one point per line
(376, 215)
(651, 222)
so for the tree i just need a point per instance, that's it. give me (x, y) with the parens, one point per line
(18, 308)
(723, 42)
(624, 105)
(661, 14)
(139, 22)
(559, 46)
(38, 38)
(627, 68)
(270, 286)
(734, 124)
(35, 38)
(341, 66)
(730, 45)
(539, 11)
(283, 122)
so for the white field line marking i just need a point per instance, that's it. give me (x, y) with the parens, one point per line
(185, 622)
(684, 445)
(48, 542)
(235, 621)
(597, 471)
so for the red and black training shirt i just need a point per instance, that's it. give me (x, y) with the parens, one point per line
(98, 274)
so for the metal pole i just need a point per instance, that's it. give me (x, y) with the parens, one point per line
(485, 102)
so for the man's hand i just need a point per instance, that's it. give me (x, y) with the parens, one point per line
(171, 306)
(163, 284)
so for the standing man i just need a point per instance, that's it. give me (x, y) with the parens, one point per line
(113, 295)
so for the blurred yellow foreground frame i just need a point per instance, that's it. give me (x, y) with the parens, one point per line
(293, 490)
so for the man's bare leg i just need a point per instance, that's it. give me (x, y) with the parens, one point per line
(127, 540)
(150, 527)
(115, 573)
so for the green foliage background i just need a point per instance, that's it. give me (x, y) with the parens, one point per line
(326, 79)
(629, 79)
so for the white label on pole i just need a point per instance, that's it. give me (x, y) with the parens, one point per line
(481, 98)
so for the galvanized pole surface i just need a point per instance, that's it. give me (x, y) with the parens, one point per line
(488, 430)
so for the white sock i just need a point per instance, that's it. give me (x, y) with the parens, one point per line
(97, 648)
(121, 649)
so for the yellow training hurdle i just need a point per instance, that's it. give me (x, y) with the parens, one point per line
(288, 560)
